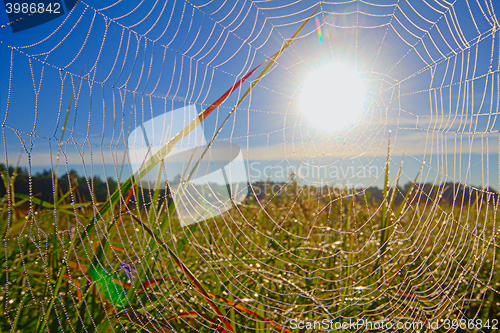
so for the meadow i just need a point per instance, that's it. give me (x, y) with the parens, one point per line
(122, 263)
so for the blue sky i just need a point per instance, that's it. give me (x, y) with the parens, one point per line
(431, 71)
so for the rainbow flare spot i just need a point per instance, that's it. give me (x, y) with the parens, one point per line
(318, 28)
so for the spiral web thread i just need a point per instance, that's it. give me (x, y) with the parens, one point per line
(434, 66)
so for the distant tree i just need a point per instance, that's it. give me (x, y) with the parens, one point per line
(83, 189)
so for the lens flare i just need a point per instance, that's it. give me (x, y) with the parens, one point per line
(318, 28)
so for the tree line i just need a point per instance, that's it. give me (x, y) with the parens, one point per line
(42, 184)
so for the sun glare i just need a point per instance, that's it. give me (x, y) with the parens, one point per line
(333, 97)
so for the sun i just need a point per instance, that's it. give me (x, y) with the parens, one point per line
(333, 97)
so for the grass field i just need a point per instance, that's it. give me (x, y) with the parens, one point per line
(121, 266)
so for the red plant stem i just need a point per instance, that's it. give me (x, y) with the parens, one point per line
(129, 195)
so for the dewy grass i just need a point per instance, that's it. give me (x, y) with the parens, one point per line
(307, 267)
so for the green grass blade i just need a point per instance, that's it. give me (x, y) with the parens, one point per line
(385, 204)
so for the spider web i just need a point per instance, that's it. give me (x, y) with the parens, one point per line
(314, 239)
